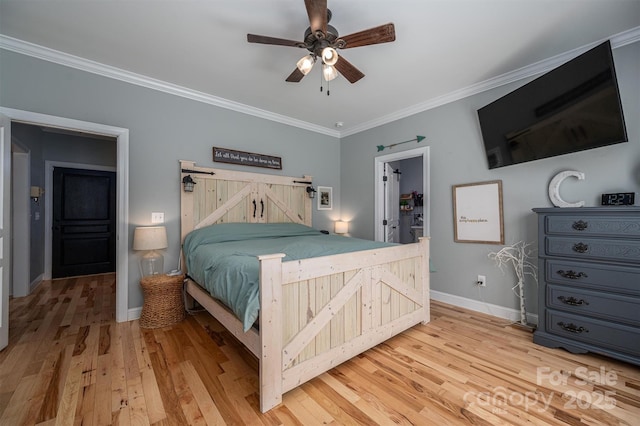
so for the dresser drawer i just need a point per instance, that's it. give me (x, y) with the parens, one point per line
(606, 306)
(620, 279)
(594, 248)
(604, 334)
(627, 226)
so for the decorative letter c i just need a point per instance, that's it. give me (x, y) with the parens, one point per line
(554, 188)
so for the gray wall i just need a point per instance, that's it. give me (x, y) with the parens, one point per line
(28, 137)
(457, 156)
(162, 130)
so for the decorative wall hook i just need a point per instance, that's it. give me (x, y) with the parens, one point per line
(418, 139)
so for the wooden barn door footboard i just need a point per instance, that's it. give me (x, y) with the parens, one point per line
(317, 313)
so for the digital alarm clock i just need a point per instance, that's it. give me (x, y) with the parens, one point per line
(619, 199)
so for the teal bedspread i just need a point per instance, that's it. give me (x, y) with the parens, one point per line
(223, 258)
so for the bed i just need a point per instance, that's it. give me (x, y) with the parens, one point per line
(314, 313)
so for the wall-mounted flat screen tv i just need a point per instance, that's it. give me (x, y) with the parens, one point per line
(571, 108)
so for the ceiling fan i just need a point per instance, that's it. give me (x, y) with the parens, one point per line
(323, 40)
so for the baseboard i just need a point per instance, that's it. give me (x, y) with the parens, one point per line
(486, 308)
(134, 313)
(35, 283)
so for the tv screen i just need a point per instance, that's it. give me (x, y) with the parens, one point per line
(571, 108)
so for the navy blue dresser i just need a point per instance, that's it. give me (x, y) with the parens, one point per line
(589, 280)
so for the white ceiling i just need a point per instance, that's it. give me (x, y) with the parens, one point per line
(444, 49)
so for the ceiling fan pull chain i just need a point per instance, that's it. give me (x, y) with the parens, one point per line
(328, 88)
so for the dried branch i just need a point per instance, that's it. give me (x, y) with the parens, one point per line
(519, 255)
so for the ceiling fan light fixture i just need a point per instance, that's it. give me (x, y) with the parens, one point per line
(329, 72)
(329, 56)
(323, 41)
(306, 63)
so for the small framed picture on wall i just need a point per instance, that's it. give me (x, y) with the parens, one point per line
(325, 198)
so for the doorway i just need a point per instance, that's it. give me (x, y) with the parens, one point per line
(407, 204)
(387, 196)
(121, 136)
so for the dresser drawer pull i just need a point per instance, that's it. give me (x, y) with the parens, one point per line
(581, 248)
(580, 225)
(572, 275)
(572, 301)
(571, 327)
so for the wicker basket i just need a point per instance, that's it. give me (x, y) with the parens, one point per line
(163, 305)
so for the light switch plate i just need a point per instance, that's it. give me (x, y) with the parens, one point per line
(157, 217)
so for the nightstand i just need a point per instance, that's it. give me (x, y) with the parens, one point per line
(163, 305)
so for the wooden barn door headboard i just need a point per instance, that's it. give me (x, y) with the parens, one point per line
(221, 196)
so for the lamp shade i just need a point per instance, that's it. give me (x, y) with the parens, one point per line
(341, 227)
(150, 238)
(305, 64)
(329, 72)
(329, 56)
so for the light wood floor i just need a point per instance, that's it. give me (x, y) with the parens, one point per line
(70, 363)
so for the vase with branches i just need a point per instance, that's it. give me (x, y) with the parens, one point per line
(519, 255)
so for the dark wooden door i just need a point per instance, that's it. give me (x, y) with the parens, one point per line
(84, 222)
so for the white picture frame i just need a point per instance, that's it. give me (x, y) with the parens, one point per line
(325, 198)
(477, 213)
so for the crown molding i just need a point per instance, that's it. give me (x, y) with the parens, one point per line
(61, 58)
(621, 39)
(30, 49)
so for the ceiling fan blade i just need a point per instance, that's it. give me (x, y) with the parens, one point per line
(252, 38)
(349, 72)
(295, 76)
(382, 34)
(317, 11)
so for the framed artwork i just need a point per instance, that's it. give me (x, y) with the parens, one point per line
(325, 198)
(477, 213)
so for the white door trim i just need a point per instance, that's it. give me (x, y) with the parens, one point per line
(5, 227)
(379, 163)
(391, 203)
(122, 166)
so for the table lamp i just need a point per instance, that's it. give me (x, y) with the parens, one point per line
(341, 227)
(149, 239)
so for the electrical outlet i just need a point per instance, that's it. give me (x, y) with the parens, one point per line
(157, 217)
(482, 281)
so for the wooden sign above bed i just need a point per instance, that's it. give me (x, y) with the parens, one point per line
(224, 155)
